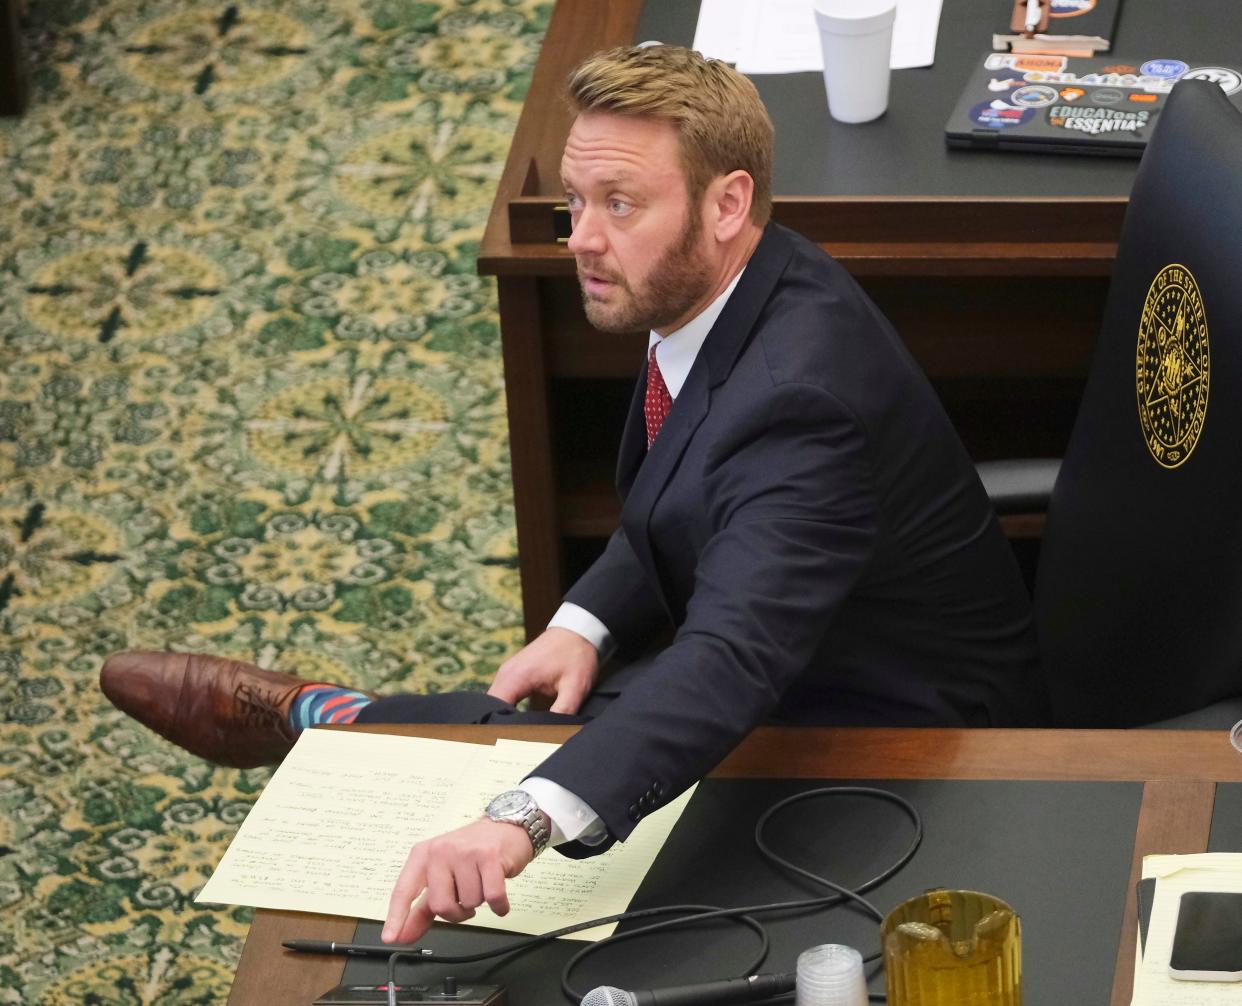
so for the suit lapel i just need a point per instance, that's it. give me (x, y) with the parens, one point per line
(633, 438)
(641, 477)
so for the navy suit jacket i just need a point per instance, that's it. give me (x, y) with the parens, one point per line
(810, 525)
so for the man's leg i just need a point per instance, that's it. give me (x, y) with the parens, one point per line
(319, 702)
(457, 707)
(236, 714)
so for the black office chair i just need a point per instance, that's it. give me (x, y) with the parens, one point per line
(1138, 593)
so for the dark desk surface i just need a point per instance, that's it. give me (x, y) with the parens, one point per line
(1178, 772)
(904, 152)
(1009, 838)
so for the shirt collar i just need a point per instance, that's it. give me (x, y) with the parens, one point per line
(678, 350)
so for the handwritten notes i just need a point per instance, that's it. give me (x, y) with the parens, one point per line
(332, 829)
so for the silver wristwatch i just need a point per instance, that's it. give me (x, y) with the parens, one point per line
(516, 806)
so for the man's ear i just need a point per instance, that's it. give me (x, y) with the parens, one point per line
(728, 204)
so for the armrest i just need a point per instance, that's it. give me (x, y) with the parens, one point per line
(1019, 485)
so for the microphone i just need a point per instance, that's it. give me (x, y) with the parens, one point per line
(732, 990)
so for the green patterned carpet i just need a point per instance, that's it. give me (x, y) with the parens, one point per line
(251, 403)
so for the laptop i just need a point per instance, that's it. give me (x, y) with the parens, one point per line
(1071, 104)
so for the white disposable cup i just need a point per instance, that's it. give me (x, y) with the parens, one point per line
(830, 975)
(857, 39)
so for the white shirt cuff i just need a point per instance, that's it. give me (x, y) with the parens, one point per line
(579, 620)
(572, 818)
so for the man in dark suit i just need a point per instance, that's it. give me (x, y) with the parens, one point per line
(797, 511)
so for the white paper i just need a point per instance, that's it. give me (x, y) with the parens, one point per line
(914, 34)
(332, 829)
(780, 36)
(718, 34)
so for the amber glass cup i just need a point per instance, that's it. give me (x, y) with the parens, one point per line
(953, 948)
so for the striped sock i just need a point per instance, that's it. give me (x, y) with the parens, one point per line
(320, 703)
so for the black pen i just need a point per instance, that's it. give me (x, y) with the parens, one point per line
(350, 949)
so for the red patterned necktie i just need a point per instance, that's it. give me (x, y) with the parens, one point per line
(658, 400)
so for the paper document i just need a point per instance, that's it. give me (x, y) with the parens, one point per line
(332, 829)
(914, 34)
(718, 34)
(1209, 871)
(780, 36)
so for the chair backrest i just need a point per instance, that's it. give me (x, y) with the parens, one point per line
(1139, 588)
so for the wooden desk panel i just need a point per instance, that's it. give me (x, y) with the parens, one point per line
(1179, 769)
(269, 975)
(1176, 817)
(14, 76)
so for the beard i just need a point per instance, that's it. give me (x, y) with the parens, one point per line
(677, 281)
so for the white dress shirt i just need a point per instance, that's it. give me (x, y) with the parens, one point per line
(572, 818)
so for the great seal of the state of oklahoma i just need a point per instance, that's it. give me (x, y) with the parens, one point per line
(1172, 366)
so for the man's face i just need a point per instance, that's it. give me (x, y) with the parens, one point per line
(642, 261)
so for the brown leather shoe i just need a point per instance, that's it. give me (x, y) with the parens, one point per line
(226, 711)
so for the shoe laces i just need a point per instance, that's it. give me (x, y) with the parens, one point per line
(260, 708)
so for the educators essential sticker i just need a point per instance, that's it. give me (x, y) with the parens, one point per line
(1098, 120)
(998, 115)
(1172, 366)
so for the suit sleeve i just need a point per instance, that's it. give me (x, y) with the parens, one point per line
(617, 592)
(792, 518)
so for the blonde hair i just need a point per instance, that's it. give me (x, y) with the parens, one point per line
(720, 120)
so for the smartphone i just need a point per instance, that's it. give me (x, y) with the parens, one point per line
(1207, 943)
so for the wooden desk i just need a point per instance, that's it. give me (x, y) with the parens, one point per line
(1179, 770)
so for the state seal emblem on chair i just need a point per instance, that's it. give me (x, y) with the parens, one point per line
(1172, 366)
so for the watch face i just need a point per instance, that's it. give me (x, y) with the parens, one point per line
(512, 802)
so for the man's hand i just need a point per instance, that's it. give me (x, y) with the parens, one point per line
(559, 664)
(453, 874)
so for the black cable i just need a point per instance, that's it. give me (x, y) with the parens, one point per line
(692, 914)
(840, 893)
(530, 942)
(844, 893)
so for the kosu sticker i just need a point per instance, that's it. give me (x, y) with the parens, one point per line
(1167, 69)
